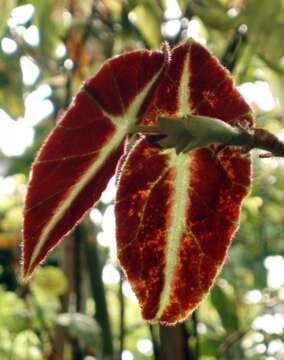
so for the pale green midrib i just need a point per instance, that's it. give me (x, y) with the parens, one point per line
(123, 125)
(116, 140)
(177, 222)
(180, 194)
(184, 91)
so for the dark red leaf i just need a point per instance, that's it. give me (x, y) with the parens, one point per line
(176, 214)
(81, 154)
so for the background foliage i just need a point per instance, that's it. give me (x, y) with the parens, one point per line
(78, 305)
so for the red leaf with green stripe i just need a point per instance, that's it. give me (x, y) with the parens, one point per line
(176, 214)
(81, 154)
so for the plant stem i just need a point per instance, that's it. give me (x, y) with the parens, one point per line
(156, 350)
(148, 129)
(234, 49)
(200, 131)
(95, 273)
(77, 269)
(173, 343)
(195, 333)
(122, 324)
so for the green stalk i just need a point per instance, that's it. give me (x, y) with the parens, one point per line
(94, 268)
(194, 132)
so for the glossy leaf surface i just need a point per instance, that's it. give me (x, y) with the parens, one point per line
(176, 214)
(81, 154)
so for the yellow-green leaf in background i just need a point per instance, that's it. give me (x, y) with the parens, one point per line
(83, 328)
(215, 15)
(266, 28)
(147, 18)
(223, 299)
(48, 18)
(6, 7)
(49, 280)
(113, 6)
(183, 4)
(11, 89)
(260, 16)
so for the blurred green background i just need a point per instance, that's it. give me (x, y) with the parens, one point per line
(78, 306)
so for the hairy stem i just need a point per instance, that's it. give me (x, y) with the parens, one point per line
(193, 132)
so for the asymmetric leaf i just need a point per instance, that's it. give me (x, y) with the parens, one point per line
(176, 214)
(82, 152)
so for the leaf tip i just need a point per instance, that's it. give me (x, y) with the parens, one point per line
(27, 265)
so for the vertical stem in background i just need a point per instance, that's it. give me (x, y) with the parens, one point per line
(69, 265)
(77, 269)
(94, 269)
(156, 349)
(66, 265)
(195, 333)
(174, 343)
(234, 49)
(122, 324)
(78, 266)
